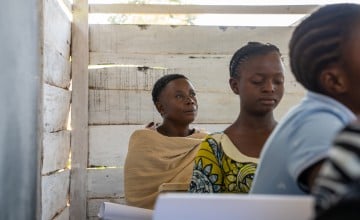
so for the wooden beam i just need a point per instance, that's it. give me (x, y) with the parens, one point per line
(200, 9)
(79, 119)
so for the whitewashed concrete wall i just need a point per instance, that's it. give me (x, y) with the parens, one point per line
(56, 106)
(120, 96)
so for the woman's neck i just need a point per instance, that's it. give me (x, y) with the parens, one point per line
(255, 122)
(174, 131)
(249, 133)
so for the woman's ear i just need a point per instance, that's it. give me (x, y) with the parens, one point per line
(333, 80)
(234, 85)
(159, 108)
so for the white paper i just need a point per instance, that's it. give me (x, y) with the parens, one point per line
(215, 206)
(114, 211)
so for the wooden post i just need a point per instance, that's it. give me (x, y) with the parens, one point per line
(79, 110)
(21, 109)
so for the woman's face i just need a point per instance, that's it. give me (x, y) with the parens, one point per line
(260, 83)
(352, 69)
(177, 102)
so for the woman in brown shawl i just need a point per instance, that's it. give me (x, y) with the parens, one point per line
(163, 154)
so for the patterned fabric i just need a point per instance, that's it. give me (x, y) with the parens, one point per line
(215, 171)
(338, 182)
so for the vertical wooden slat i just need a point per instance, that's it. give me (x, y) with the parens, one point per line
(79, 123)
(40, 127)
(20, 111)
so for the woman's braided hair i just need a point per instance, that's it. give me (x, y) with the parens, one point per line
(251, 49)
(319, 41)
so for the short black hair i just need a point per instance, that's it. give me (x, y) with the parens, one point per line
(251, 49)
(162, 82)
(319, 41)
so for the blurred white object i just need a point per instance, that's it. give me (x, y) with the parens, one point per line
(176, 206)
(114, 211)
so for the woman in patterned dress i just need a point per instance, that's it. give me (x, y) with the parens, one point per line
(227, 160)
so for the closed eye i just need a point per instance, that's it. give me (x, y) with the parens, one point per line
(279, 81)
(257, 82)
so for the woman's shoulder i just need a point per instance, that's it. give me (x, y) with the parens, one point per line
(217, 135)
(144, 133)
(199, 133)
(213, 139)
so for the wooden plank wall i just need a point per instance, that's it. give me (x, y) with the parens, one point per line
(133, 58)
(79, 119)
(56, 107)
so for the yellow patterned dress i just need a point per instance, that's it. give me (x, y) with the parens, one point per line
(221, 168)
